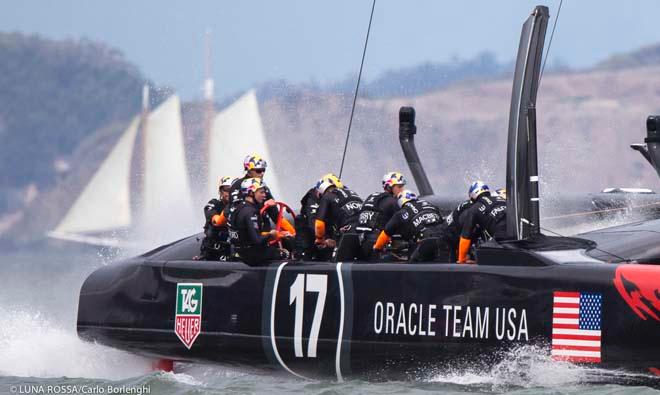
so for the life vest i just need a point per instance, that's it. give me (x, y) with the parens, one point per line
(420, 216)
(212, 208)
(237, 235)
(371, 217)
(349, 205)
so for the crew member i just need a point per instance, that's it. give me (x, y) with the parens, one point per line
(337, 213)
(215, 246)
(417, 220)
(304, 241)
(377, 210)
(454, 225)
(249, 231)
(255, 167)
(487, 215)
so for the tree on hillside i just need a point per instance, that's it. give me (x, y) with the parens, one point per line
(53, 94)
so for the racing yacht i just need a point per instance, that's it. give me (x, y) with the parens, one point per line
(591, 300)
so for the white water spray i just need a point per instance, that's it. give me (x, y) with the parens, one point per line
(34, 346)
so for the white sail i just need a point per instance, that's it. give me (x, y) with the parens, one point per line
(167, 200)
(236, 132)
(104, 204)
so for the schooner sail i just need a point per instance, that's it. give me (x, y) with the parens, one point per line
(166, 187)
(165, 190)
(236, 132)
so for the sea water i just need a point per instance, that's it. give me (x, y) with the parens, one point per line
(40, 352)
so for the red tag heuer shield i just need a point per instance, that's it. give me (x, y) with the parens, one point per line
(188, 319)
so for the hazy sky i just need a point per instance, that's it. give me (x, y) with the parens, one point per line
(256, 41)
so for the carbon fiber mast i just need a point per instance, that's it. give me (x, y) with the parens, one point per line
(521, 166)
(651, 147)
(407, 130)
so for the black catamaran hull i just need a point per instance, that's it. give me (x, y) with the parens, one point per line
(321, 319)
(345, 319)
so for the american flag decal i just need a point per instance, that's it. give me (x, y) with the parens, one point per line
(576, 319)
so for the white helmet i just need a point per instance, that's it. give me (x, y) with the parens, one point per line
(225, 181)
(254, 161)
(405, 196)
(477, 188)
(251, 185)
(393, 178)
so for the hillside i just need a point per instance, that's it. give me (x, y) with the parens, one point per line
(645, 56)
(407, 81)
(54, 94)
(586, 120)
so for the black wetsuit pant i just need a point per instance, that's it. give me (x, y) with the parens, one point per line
(260, 255)
(215, 248)
(431, 247)
(367, 246)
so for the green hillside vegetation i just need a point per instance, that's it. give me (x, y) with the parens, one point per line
(53, 95)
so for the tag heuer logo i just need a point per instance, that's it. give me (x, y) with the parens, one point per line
(188, 319)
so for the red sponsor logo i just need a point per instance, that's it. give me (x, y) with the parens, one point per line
(639, 286)
(187, 328)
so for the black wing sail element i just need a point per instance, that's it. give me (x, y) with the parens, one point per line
(521, 166)
(651, 147)
(407, 130)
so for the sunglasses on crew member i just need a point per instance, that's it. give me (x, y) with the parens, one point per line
(259, 170)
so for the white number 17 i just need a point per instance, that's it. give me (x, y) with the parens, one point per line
(314, 283)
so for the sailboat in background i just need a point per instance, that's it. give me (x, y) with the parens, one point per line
(144, 183)
(232, 134)
(136, 202)
(235, 132)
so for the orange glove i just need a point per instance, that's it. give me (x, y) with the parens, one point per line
(463, 248)
(382, 240)
(286, 225)
(319, 229)
(219, 220)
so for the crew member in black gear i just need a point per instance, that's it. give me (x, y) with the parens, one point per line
(338, 211)
(249, 231)
(216, 246)
(487, 214)
(255, 167)
(419, 222)
(377, 209)
(304, 241)
(454, 225)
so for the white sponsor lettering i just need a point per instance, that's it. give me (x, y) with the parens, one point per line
(506, 324)
(189, 304)
(390, 318)
(411, 320)
(431, 320)
(401, 322)
(457, 321)
(497, 210)
(425, 218)
(378, 317)
(412, 329)
(366, 216)
(460, 322)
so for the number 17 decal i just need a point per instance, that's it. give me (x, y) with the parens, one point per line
(307, 283)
